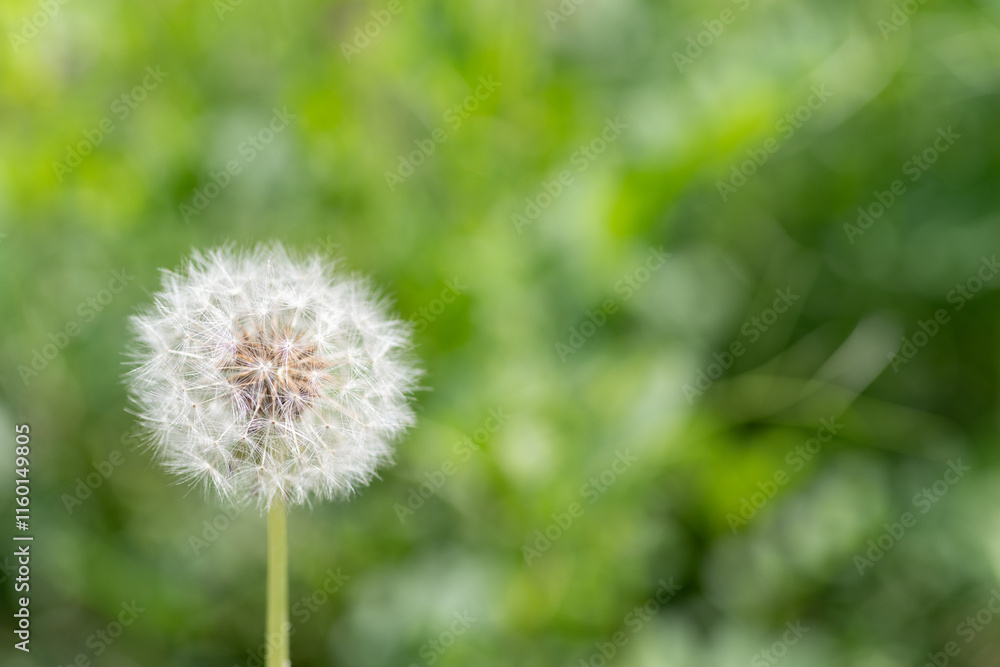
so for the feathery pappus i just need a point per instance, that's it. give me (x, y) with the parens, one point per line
(270, 377)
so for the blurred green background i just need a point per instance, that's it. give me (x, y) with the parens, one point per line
(630, 228)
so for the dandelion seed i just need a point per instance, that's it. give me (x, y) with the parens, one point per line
(274, 381)
(305, 366)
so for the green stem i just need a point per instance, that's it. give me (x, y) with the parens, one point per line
(277, 586)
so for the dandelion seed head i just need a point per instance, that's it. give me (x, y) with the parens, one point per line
(268, 377)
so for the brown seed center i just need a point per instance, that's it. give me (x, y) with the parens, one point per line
(275, 375)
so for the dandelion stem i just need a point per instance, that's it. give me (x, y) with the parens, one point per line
(277, 586)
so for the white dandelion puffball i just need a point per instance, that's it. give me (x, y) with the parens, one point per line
(270, 378)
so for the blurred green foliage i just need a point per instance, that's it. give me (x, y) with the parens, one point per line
(520, 231)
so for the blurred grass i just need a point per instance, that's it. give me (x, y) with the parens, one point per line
(321, 184)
